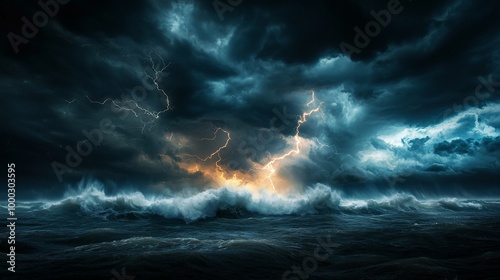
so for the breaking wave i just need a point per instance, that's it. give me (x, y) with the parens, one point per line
(227, 202)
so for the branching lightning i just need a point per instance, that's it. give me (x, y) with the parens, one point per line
(158, 75)
(146, 116)
(270, 168)
(296, 150)
(218, 151)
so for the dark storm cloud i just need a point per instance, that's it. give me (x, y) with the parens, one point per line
(251, 74)
(417, 143)
(457, 146)
(436, 167)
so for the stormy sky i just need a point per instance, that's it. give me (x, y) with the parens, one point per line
(407, 91)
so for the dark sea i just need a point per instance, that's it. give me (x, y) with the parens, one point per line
(228, 234)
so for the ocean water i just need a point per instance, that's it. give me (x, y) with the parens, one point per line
(234, 234)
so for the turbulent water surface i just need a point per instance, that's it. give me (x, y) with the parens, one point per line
(227, 234)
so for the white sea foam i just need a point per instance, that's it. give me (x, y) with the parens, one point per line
(319, 198)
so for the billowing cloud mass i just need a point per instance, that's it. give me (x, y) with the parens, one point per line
(177, 95)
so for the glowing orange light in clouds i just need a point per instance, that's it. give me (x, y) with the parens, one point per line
(260, 177)
(218, 175)
(217, 152)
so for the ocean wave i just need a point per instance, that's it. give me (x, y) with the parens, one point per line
(227, 202)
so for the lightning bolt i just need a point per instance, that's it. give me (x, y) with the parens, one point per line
(217, 152)
(312, 99)
(70, 101)
(296, 150)
(220, 176)
(158, 75)
(146, 116)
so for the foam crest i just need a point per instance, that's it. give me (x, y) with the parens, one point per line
(319, 198)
